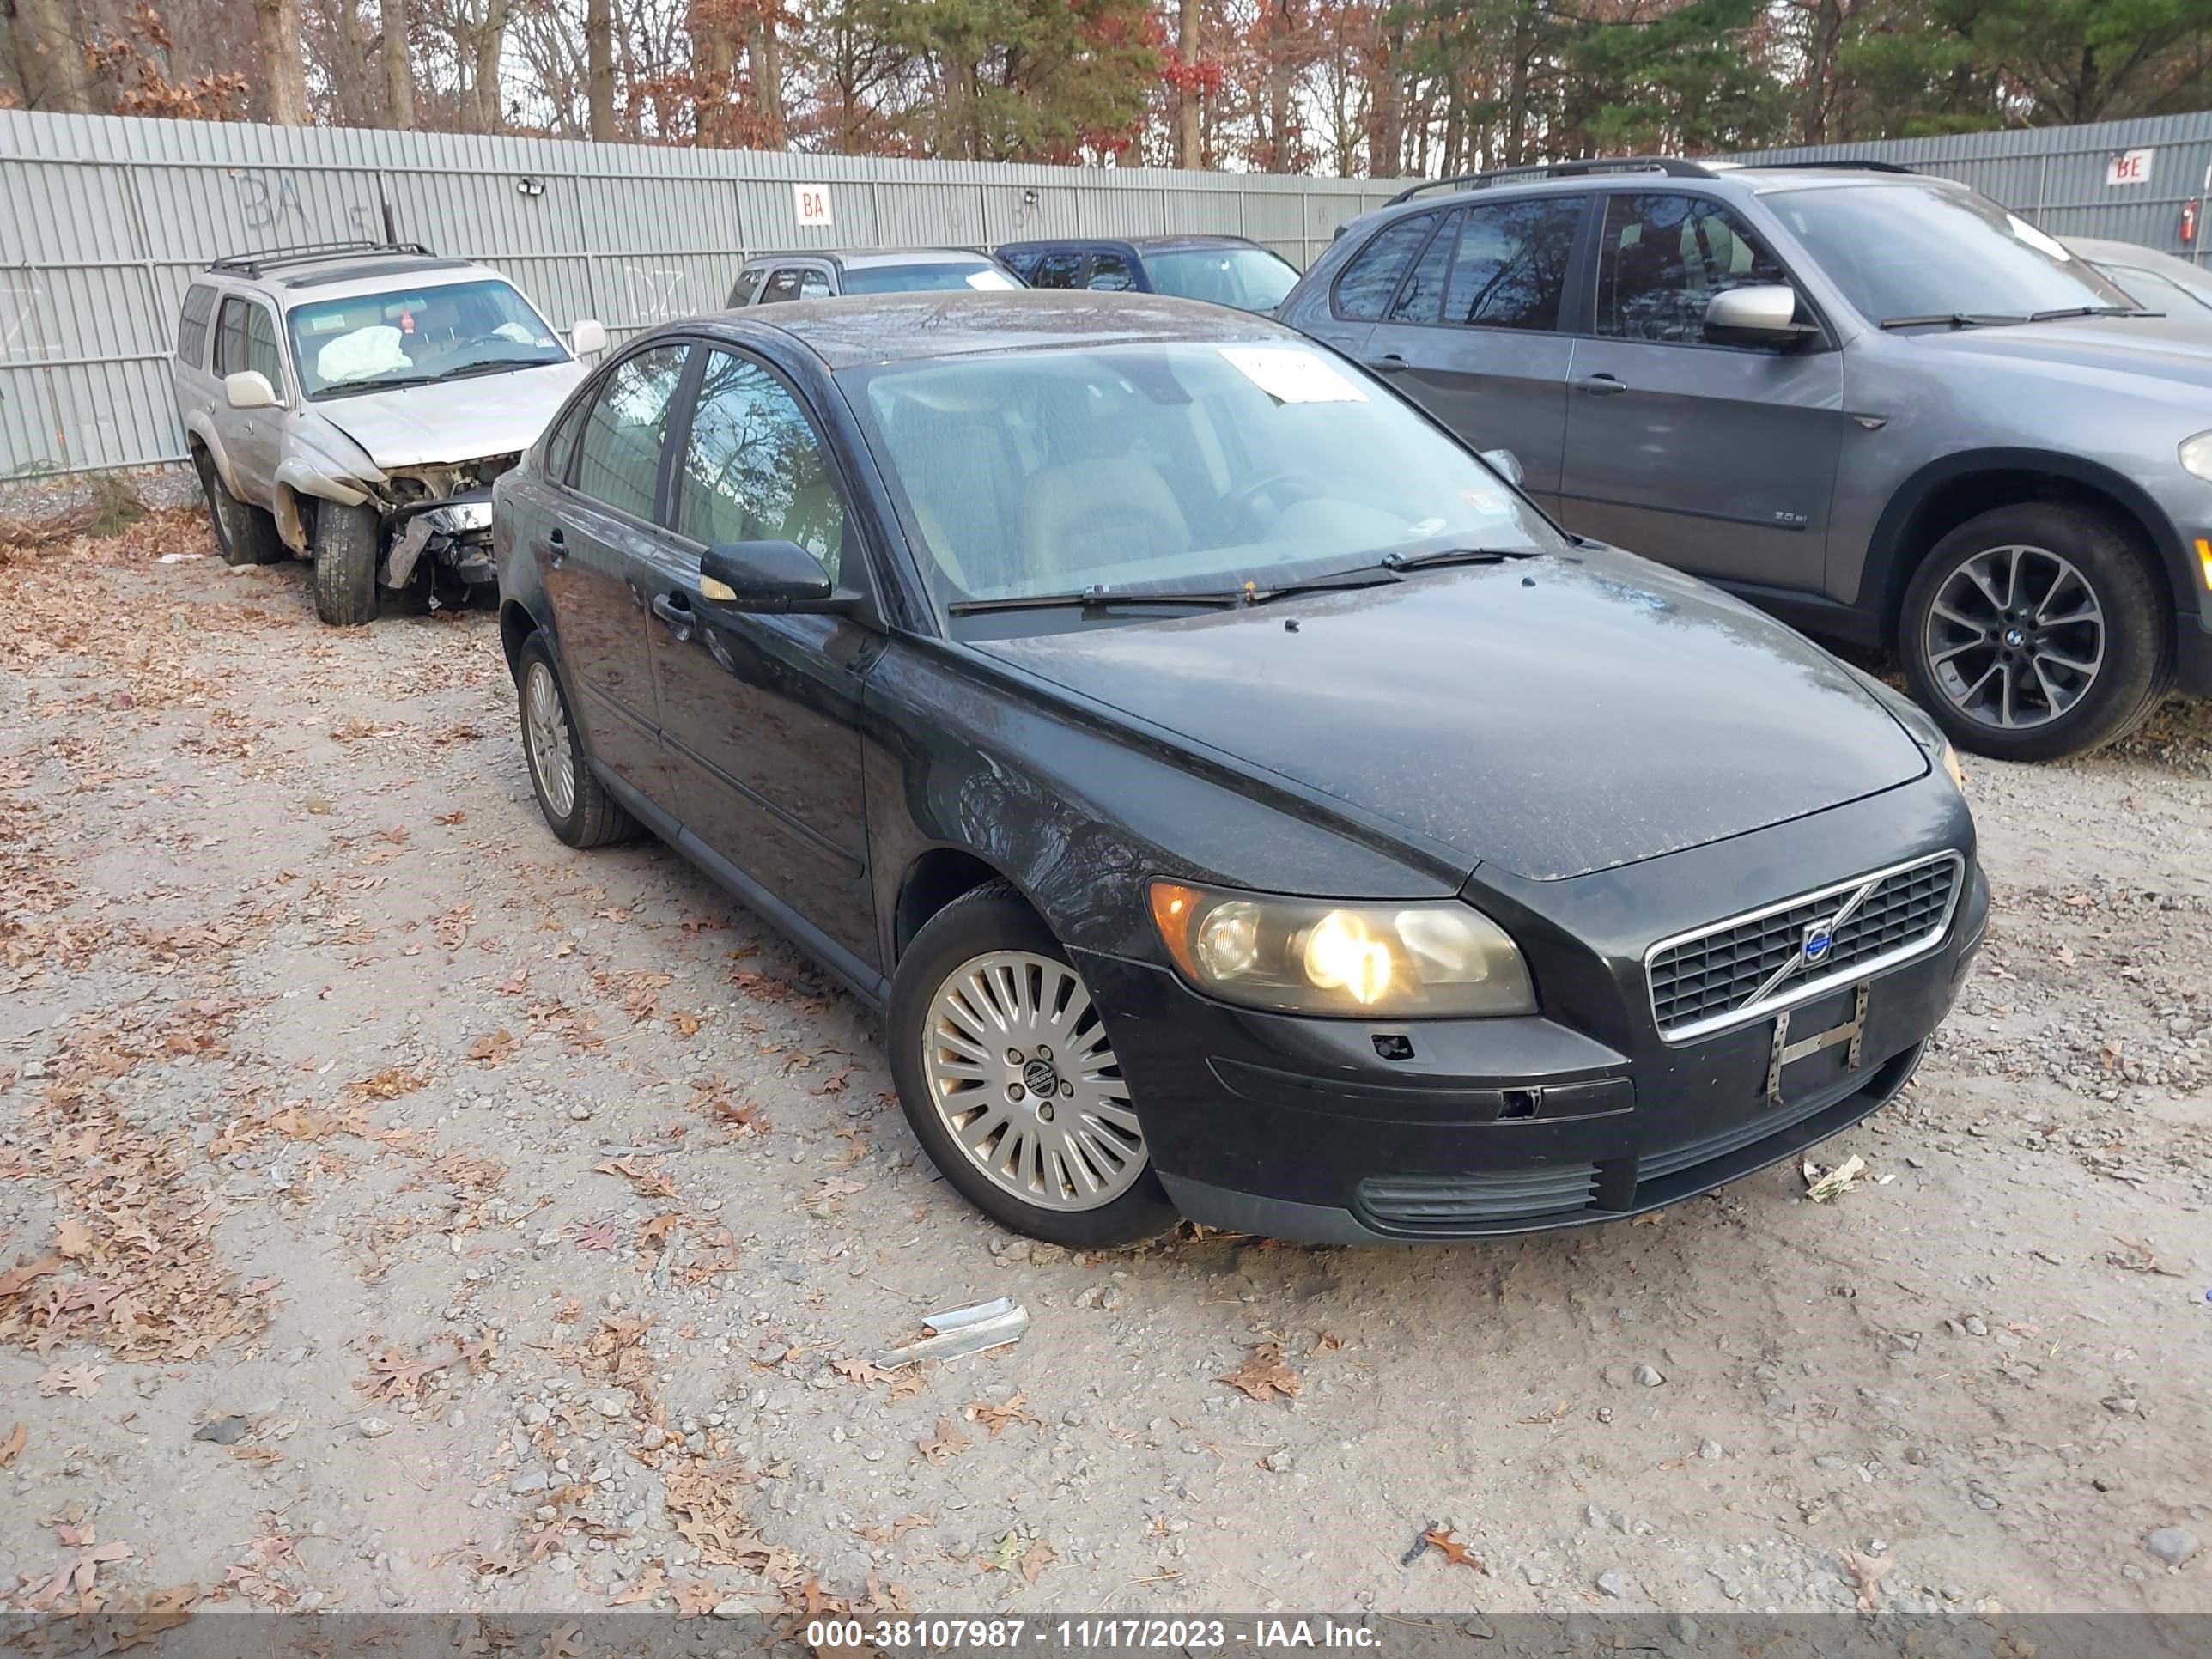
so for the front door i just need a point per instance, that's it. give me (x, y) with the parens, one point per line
(599, 542)
(1718, 460)
(252, 439)
(761, 714)
(1474, 336)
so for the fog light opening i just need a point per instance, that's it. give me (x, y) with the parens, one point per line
(1393, 1045)
(1519, 1104)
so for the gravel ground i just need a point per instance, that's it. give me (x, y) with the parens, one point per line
(399, 1209)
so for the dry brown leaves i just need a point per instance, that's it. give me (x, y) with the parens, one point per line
(1867, 1573)
(1441, 1539)
(1013, 1410)
(12, 1447)
(706, 1515)
(1263, 1376)
(695, 1597)
(396, 1374)
(947, 1443)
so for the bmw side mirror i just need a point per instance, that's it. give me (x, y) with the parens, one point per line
(1762, 316)
(586, 336)
(248, 388)
(766, 577)
(1506, 464)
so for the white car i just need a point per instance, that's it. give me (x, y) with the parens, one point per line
(352, 405)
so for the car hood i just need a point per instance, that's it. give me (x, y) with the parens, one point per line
(1552, 716)
(2168, 358)
(455, 421)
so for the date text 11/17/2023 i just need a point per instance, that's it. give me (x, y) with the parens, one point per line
(1079, 1635)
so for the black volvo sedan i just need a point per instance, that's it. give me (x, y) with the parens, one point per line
(1235, 797)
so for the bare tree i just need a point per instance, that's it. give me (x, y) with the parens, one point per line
(283, 61)
(50, 69)
(1190, 49)
(764, 63)
(490, 40)
(399, 64)
(600, 67)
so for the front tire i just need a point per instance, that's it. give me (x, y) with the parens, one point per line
(347, 541)
(576, 805)
(2036, 631)
(246, 535)
(1008, 1078)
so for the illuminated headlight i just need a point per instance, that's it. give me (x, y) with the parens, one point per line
(1952, 768)
(2196, 455)
(460, 517)
(1380, 961)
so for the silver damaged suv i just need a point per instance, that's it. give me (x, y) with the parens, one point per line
(352, 405)
(1875, 403)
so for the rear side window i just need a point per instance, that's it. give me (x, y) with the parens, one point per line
(1364, 291)
(1057, 270)
(748, 284)
(1111, 271)
(192, 325)
(1511, 271)
(1663, 257)
(619, 458)
(1421, 300)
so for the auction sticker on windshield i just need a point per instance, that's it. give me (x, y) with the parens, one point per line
(1292, 376)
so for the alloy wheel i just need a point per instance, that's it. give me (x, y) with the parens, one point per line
(1024, 1079)
(2015, 637)
(545, 728)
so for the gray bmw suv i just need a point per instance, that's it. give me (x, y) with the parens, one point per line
(1875, 403)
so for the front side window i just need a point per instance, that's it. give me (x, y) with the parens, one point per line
(748, 284)
(1248, 278)
(1921, 249)
(814, 284)
(1110, 271)
(1512, 267)
(754, 470)
(1166, 467)
(1365, 290)
(193, 324)
(412, 336)
(781, 287)
(619, 457)
(1662, 258)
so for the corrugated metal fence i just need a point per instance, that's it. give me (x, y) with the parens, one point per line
(103, 220)
(2064, 180)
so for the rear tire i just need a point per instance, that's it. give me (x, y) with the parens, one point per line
(2004, 614)
(246, 535)
(348, 541)
(576, 805)
(1102, 1191)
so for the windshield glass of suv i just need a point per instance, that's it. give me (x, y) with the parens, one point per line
(918, 279)
(1248, 278)
(1171, 468)
(1924, 251)
(411, 335)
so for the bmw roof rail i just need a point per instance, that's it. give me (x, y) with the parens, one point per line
(1845, 164)
(254, 264)
(1674, 166)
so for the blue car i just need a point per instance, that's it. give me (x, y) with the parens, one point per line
(1224, 271)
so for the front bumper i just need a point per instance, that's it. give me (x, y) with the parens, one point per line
(1300, 1128)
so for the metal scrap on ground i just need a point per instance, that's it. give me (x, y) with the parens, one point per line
(962, 1331)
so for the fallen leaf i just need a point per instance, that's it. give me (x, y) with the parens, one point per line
(947, 1443)
(81, 1380)
(12, 1447)
(995, 1417)
(73, 1239)
(1036, 1559)
(643, 1587)
(15, 1279)
(452, 817)
(695, 1597)
(655, 1229)
(1264, 1377)
(1440, 1538)
(858, 1371)
(1866, 1572)
(493, 1049)
(78, 1573)
(1326, 1343)
(596, 1236)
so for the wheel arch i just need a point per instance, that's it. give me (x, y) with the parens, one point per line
(516, 624)
(1946, 493)
(937, 878)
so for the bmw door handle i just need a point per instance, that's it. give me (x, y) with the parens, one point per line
(556, 547)
(1601, 386)
(676, 611)
(1389, 363)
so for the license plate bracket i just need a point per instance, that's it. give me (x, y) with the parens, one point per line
(1783, 1051)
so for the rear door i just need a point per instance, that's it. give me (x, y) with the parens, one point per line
(600, 536)
(1110, 271)
(761, 714)
(252, 439)
(1477, 333)
(1718, 460)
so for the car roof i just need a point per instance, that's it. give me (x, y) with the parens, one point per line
(346, 281)
(1142, 244)
(2098, 250)
(864, 258)
(889, 328)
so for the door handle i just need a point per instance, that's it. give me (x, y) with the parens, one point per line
(1601, 386)
(1389, 363)
(676, 611)
(556, 546)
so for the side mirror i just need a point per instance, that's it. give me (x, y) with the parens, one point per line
(248, 388)
(765, 576)
(587, 335)
(1760, 316)
(1507, 465)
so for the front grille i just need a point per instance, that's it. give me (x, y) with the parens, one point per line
(1454, 1202)
(1711, 979)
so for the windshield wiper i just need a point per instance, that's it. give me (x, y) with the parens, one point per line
(383, 383)
(2091, 310)
(1956, 319)
(1457, 555)
(1094, 598)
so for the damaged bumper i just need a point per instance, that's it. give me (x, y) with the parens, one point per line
(455, 532)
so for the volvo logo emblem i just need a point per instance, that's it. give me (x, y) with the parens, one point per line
(1820, 939)
(1041, 1077)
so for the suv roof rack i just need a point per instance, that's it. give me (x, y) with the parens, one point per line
(256, 264)
(1846, 164)
(1674, 166)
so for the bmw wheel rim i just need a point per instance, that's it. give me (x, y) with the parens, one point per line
(2015, 638)
(545, 728)
(1023, 1079)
